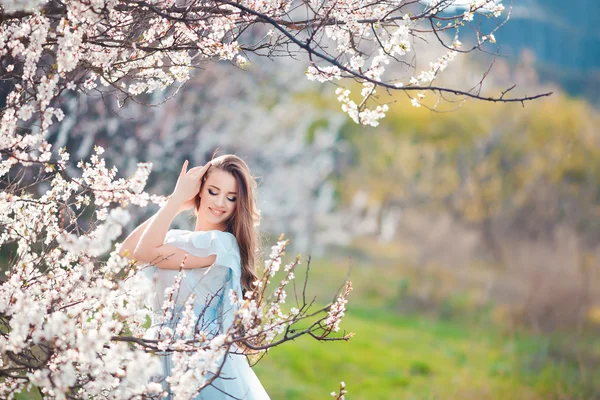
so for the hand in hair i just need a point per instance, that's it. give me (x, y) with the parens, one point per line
(189, 182)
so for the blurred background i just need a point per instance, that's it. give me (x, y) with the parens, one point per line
(472, 237)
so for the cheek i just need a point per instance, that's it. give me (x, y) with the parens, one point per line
(232, 208)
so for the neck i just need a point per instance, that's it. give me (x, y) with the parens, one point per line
(202, 225)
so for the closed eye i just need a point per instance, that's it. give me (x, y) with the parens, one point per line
(213, 193)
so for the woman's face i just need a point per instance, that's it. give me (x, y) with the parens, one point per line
(218, 197)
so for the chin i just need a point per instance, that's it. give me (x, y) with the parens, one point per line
(214, 219)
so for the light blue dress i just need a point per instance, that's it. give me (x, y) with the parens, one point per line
(211, 286)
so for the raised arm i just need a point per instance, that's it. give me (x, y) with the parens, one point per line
(150, 247)
(128, 246)
(130, 243)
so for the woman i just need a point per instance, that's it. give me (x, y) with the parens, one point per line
(218, 256)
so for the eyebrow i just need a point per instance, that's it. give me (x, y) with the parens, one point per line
(213, 186)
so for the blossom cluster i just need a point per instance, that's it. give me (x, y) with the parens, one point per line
(338, 310)
(62, 300)
(267, 321)
(342, 394)
(135, 48)
(361, 24)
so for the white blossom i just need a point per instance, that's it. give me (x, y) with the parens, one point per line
(338, 310)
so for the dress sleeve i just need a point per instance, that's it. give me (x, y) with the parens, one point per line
(224, 245)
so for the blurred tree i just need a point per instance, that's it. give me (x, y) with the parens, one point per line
(523, 171)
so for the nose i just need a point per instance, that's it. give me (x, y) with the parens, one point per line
(219, 202)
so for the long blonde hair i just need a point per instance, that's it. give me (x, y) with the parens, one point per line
(244, 221)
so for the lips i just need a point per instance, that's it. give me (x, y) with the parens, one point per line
(216, 213)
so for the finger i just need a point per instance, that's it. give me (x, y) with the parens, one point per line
(204, 170)
(184, 167)
(205, 167)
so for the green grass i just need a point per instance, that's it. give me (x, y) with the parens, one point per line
(395, 357)
(412, 356)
